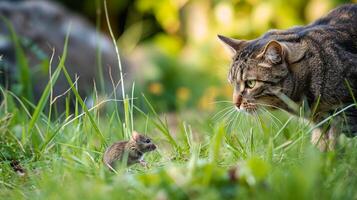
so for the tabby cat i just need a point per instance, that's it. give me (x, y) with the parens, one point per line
(316, 63)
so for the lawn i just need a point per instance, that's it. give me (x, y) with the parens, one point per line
(200, 155)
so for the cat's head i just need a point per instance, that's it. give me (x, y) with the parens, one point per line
(260, 70)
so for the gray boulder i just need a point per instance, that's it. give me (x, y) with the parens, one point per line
(42, 26)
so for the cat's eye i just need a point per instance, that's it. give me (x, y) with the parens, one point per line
(147, 141)
(250, 83)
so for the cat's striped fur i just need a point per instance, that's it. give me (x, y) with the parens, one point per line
(317, 62)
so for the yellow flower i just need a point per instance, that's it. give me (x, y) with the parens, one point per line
(155, 88)
(183, 94)
(207, 100)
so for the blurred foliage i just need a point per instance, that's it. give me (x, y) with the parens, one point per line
(173, 43)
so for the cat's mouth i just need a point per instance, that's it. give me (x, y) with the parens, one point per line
(245, 106)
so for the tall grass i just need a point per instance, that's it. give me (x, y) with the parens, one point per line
(23, 75)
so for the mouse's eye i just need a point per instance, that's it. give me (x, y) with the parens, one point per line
(147, 140)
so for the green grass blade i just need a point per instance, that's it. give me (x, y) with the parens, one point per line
(116, 48)
(162, 126)
(22, 63)
(99, 47)
(351, 92)
(251, 141)
(282, 128)
(46, 93)
(84, 107)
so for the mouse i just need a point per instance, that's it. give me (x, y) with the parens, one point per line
(133, 149)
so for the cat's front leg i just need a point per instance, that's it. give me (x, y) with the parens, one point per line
(325, 141)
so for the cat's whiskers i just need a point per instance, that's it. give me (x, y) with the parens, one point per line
(258, 120)
(228, 124)
(272, 117)
(222, 102)
(236, 124)
(233, 122)
(222, 111)
(230, 118)
(228, 113)
(272, 106)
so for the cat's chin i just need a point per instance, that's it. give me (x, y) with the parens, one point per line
(246, 110)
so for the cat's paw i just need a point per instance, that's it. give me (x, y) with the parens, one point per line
(324, 141)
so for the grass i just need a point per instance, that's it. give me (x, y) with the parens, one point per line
(219, 155)
(23, 75)
(204, 158)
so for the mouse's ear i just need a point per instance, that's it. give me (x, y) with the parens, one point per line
(135, 136)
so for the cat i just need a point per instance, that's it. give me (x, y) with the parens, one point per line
(316, 63)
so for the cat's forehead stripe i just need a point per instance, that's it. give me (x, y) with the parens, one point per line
(238, 69)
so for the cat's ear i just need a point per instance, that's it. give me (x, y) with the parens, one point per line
(274, 52)
(233, 44)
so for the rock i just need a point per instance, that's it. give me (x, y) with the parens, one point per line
(42, 26)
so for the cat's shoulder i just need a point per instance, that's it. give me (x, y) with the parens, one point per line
(343, 18)
(346, 13)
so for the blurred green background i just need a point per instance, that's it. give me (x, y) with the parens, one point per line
(178, 61)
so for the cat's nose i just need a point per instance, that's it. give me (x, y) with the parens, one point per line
(237, 100)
